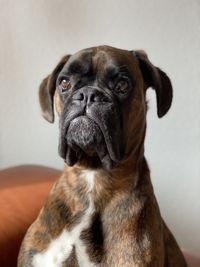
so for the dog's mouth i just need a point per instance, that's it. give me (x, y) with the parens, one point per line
(89, 141)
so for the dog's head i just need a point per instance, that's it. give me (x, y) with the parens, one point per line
(100, 99)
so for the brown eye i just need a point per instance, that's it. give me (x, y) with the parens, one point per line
(122, 86)
(65, 85)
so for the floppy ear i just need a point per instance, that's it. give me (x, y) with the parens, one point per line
(47, 90)
(158, 80)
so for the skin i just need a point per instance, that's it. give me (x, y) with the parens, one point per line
(126, 227)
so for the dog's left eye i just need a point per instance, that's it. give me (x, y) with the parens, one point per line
(65, 85)
(122, 86)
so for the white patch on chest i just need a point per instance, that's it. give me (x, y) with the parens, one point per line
(89, 177)
(60, 249)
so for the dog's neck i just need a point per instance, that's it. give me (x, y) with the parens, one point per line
(102, 185)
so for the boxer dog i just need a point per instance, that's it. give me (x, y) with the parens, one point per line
(102, 211)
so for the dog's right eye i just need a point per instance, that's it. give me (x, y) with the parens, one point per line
(122, 86)
(65, 85)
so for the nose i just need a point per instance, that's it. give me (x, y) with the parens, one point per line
(89, 96)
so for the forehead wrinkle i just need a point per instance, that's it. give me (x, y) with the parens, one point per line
(99, 61)
(103, 63)
(79, 63)
(76, 67)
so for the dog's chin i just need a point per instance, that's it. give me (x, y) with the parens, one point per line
(85, 144)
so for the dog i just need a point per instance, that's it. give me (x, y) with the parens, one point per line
(102, 211)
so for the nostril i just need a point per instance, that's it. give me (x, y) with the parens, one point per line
(79, 97)
(93, 98)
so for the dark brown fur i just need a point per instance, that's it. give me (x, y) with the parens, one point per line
(127, 229)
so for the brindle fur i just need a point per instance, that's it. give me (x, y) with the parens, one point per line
(127, 229)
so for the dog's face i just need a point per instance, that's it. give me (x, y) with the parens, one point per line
(100, 99)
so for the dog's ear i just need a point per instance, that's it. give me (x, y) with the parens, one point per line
(47, 89)
(158, 80)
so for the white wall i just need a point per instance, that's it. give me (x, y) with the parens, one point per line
(35, 34)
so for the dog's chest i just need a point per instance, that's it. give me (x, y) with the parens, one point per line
(60, 249)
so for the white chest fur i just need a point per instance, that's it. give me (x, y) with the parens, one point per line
(60, 249)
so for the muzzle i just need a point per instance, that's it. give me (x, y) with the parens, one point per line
(90, 126)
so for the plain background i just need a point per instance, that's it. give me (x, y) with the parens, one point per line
(34, 35)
